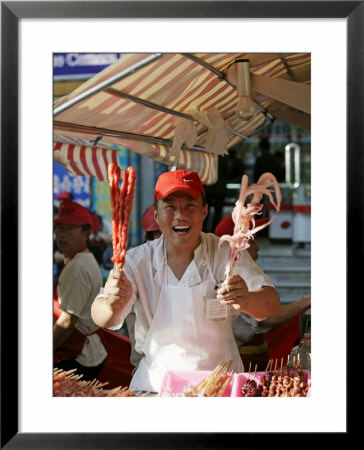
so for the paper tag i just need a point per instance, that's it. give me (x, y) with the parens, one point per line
(214, 309)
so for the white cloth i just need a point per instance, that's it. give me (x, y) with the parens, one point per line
(78, 285)
(145, 267)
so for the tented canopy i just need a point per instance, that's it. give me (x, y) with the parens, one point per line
(176, 108)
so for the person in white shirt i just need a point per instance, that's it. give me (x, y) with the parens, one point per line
(76, 340)
(182, 321)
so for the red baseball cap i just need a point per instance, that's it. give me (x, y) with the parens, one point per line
(96, 222)
(226, 225)
(64, 195)
(148, 222)
(178, 181)
(72, 213)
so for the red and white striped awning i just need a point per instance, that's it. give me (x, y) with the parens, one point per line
(178, 109)
(84, 160)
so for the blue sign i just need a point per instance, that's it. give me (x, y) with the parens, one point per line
(67, 66)
(78, 186)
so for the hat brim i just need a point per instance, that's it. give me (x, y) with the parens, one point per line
(73, 221)
(261, 221)
(187, 189)
(151, 228)
(64, 197)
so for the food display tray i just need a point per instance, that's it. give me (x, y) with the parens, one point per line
(241, 378)
(175, 381)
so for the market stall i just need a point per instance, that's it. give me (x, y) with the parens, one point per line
(183, 110)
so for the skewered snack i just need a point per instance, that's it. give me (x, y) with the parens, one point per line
(215, 385)
(121, 204)
(286, 382)
(243, 215)
(68, 384)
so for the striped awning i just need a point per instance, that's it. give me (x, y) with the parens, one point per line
(84, 160)
(177, 108)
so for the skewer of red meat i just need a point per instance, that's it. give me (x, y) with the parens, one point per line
(121, 205)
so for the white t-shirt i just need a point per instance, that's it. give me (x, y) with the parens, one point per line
(143, 267)
(78, 285)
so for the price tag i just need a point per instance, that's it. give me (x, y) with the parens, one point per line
(214, 309)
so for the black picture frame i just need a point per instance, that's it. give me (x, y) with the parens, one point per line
(11, 12)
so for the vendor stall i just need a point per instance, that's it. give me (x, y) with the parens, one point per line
(184, 110)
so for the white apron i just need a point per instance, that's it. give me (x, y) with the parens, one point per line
(180, 338)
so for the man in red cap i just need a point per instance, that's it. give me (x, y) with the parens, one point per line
(76, 343)
(150, 226)
(181, 321)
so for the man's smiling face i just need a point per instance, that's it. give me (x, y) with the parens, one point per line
(180, 218)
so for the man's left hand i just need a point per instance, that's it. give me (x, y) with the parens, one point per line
(233, 291)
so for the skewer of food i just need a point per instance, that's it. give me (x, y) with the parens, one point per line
(243, 216)
(69, 384)
(121, 205)
(214, 385)
(286, 382)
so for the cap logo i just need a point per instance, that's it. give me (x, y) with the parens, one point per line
(186, 179)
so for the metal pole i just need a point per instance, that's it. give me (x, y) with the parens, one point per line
(108, 82)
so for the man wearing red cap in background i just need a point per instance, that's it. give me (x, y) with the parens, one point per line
(150, 226)
(181, 323)
(76, 343)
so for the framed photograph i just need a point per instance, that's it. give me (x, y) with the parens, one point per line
(332, 31)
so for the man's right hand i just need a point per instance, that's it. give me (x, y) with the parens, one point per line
(106, 310)
(117, 290)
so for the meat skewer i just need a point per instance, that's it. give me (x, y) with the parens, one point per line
(67, 385)
(121, 205)
(243, 215)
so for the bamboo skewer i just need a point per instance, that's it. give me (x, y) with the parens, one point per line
(266, 369)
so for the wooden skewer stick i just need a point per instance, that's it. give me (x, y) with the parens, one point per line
(70, 371)
(233, 368)
(266, 369)
(116, 390)
(100, 385)
(270, 364)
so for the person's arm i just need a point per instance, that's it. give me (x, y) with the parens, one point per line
(106, 310)
(288, 312)
(63, 328)
(260, 303)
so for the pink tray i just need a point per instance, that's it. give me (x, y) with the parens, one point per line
(241, 378)
(175, 381)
